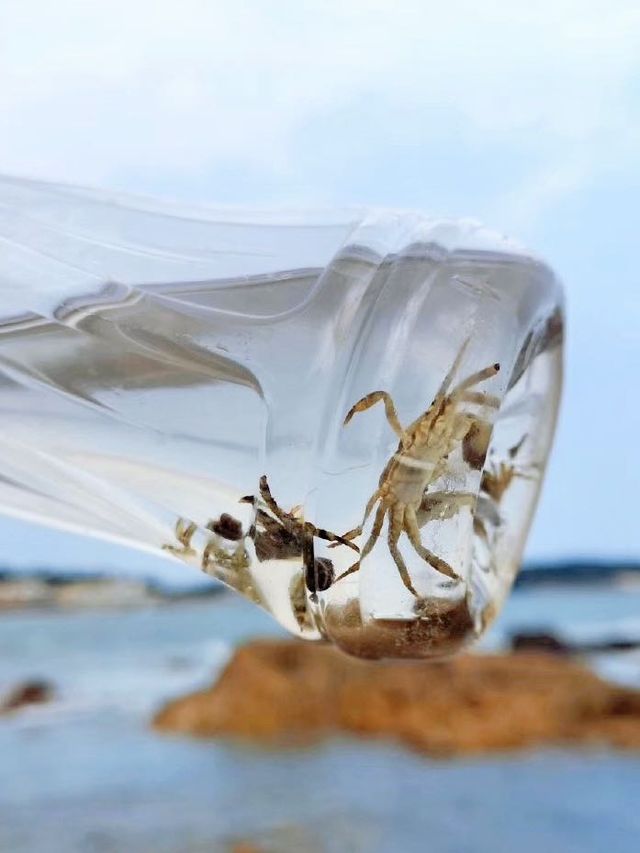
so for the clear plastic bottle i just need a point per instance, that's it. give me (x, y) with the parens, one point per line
(178, 380)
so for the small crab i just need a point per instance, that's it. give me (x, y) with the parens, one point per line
(184, 532)
(420, 459)
(286, 534)
(227, 528)
(276, 533)
(496, 480)
(497, 477)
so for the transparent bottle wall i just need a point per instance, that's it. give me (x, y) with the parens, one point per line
(179, 380)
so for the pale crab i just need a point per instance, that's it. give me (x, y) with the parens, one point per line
(226, 528)
(420, 460)
(497, 477)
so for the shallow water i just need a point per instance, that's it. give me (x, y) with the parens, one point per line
(86, 773)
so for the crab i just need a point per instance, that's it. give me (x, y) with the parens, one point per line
(184, 533)
(225, 527)
(281, 535)
(497, 477)
(287, 534)
(420, 460)
(278, 534)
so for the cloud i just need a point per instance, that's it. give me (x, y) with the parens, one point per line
(525, 114)
(89, 92)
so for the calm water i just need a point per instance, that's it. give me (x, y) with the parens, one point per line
(86, 774)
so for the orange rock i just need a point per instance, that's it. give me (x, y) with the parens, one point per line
(292, 692)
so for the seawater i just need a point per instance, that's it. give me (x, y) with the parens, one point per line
(86, 772)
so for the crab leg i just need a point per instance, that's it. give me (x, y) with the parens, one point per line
(475, 379)
(327, 535)
(389, 407)
(267, 497)
(371, 541)
(413, 532)
(480, 398)
(396, 525)
(440, 506)
(291, 522)
(357, 531)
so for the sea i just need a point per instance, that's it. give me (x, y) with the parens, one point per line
(86, 772)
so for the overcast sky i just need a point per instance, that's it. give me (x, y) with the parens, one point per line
(525, 115)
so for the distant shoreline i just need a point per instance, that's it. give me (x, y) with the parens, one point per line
(40, 587)
(578, 572)
(46, 589)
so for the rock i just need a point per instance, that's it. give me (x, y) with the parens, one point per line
(34, 692)
(291, 692)
(540, 641)
(545, 641)
(614, 645)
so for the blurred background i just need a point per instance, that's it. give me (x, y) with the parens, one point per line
(525, 116)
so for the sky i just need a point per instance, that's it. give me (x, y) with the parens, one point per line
(526, 116)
